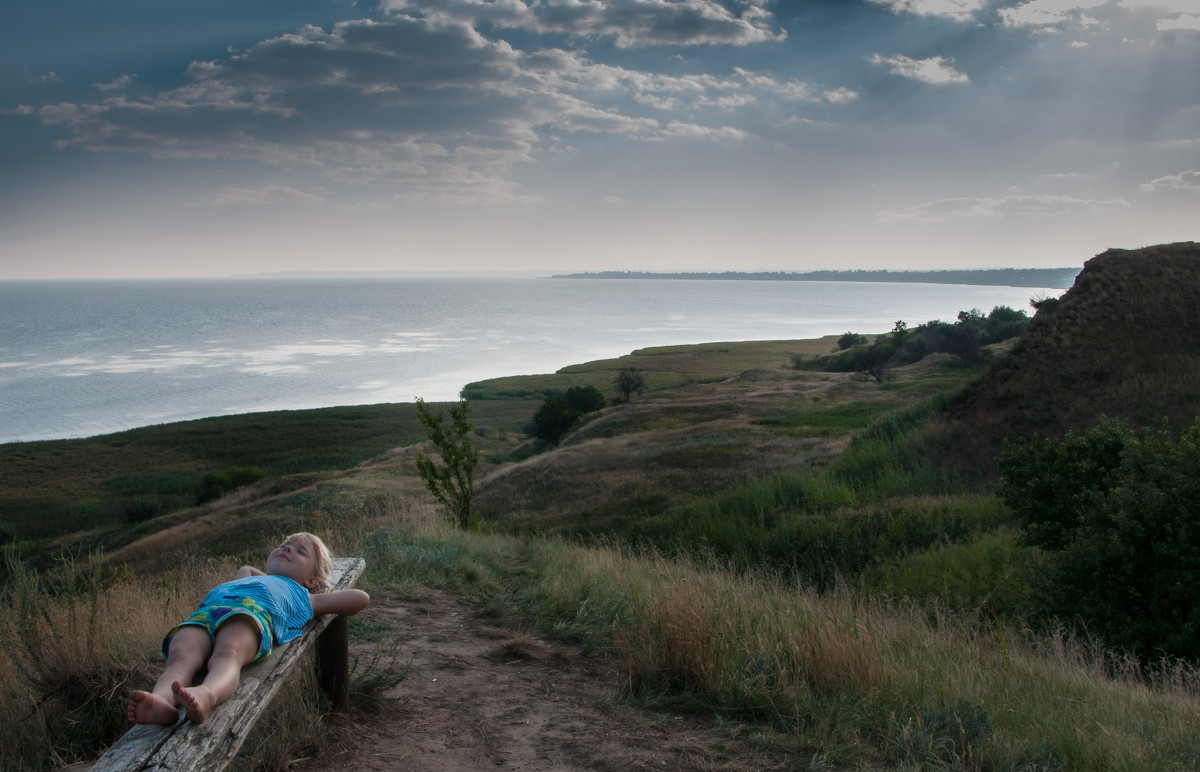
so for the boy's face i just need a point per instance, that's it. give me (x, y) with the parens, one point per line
(294, 559)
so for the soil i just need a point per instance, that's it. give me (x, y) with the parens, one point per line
(480, 696)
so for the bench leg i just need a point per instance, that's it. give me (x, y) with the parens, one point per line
(333, 662)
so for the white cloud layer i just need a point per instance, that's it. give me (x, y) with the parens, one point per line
(936, 71)
(1188, 181)
(627, 23)
(1169, 14)
(1023, 206)
(959, 10)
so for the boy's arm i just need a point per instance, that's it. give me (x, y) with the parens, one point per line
(245, 571)
(347, 602)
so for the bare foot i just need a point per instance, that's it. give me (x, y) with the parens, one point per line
(195, 701)
(147, 708)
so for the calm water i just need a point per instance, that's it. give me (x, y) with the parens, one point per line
(85, 358)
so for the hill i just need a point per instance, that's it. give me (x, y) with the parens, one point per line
(1122, 342)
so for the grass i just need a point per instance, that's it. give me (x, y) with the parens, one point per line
(56, 487)
(842, 676)
(862, 682)
(664, 368)
(854, 603)
(839, 421)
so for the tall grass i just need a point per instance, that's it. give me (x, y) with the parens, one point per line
(76, 639)
(72, 647)
(834, 679)
(864, 681)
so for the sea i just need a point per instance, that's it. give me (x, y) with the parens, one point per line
(82, 358)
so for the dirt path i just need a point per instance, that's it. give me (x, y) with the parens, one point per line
(481, 697)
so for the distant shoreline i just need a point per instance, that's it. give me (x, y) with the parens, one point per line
(1061, 278)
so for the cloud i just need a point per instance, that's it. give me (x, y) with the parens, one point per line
(1187, 181)
(1169, 14)
(426, 107)
(996, 208)
(42, 77)
(628, 23)
(935, 71)
(958, 10)
(115, 84)
(271, 194)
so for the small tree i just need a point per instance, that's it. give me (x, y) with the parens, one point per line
(560, 412)
(851, 340)
(584, 399)
(630, 381)
(553, 419)
(453, 482)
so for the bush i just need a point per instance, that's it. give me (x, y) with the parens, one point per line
(1120, 511)
(214, 485)
(584, 399)
(851, 340)
(559, 412)
(140, 508)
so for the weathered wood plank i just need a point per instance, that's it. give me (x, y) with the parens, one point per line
(213, 744)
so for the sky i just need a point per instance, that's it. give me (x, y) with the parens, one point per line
(187, 138)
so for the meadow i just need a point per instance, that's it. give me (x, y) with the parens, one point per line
(768, 546)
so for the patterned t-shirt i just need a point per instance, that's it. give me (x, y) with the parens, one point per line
(286, 602)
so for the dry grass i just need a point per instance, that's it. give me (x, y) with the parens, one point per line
(73, 648)
(839, 670)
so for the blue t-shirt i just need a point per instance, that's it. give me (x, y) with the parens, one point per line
(286, 602)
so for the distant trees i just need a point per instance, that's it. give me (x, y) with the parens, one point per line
(452, 483)
(904, 345)
(1119, 513)
(630, 381)
(560, 412)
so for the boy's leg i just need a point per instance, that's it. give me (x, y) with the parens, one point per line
(237, 643)
(189, 649)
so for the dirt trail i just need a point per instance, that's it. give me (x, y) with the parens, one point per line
(481, 697)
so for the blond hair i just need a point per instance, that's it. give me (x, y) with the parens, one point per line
(322, 557)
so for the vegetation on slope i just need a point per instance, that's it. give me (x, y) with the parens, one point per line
(776, 547)
(1123, 342)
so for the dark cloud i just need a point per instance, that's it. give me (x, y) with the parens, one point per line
(419, 104)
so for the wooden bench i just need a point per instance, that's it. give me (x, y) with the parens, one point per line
(213, 744)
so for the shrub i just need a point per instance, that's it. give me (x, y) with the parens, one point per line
(216, 484)
(1120, 511)
(453, 483)
(851, 340)
(140, 508)
(553, 419)
(584, 399)
(559, 412)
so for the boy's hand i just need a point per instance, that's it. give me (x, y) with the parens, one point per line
(245, 571)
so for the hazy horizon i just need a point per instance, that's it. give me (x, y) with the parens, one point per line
(224, 138)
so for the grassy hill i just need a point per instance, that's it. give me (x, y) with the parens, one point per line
(1122, 342)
